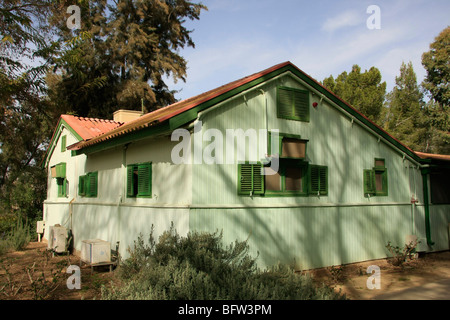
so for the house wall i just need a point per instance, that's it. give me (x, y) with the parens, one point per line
(342, 227)
(111, 215)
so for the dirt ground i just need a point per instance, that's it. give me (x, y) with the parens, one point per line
(395, 282)
(35, 274)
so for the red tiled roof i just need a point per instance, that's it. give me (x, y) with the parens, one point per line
(433, 156)
(168, 112)
(89, 128)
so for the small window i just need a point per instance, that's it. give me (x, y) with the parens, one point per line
(88, 185)
(139, 180)
(290, 180)
(293, 104)
(375, 180)
(290, 146)
(293, 148)
(63, 143)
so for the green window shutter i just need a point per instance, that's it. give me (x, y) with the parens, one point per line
(251, 180)
(145, 180)
(301, 105)
(61, 170)
(258, 179)
(369, 182)
(293, 104)
(81, 186)
(92, 182)
(245, 184)
(130, 181)
(318, 180)
(62, 187)
(63, 143)
(284, 103)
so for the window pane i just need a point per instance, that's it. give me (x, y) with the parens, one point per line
(135, 180)
(272, 179)
(293, 179)
(379, 163)
(293, 148)
(379, 181)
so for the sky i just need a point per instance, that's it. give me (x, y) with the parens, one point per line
(236, 38)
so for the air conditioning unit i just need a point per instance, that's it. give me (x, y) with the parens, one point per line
(95, 251)
(57, 239)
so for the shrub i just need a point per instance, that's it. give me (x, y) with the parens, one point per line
(19, 237)
(4, 246)
(400, 255)
(198, 267)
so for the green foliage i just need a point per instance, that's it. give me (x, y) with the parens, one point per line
(364, 91)
(405, 116)
(20, 236)
(26, 121)
(436, 63)
(399, 254)
(4, 246)
(133, 45)
(198, 267)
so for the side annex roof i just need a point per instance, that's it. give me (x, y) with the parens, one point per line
(82, 128)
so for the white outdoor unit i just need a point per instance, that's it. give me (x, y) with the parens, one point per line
(57, 238)
(95, 251)
(40, 227)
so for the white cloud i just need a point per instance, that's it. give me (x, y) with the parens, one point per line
(345, 19)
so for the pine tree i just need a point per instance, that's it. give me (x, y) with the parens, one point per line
(133, 46)
(405, 116)
(364, 91)
(437, 64)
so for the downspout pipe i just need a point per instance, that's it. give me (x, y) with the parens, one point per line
(425, 172)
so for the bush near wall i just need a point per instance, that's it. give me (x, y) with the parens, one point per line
(198, 267)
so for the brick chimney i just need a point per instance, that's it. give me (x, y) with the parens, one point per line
(126, 115)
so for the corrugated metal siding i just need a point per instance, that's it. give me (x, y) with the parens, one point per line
(439, 220)
(342, 227)
(309, 237)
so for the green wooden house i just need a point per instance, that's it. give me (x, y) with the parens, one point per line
(340, 190)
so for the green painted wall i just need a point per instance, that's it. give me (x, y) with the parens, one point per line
(342, 227)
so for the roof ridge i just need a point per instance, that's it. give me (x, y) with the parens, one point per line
(93, 119)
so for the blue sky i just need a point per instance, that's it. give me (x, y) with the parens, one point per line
(236, 38)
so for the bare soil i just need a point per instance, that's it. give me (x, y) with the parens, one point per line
(35, 274)
(36, 264)
(352, 279)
